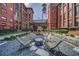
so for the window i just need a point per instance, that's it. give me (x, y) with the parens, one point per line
(64, 15)
(61, 9)
(70, 14)
(77, 13)
(15, 16)
(11, 9)
(77, 9)
(70, 6)
(61, 20)
(64, 23)
(70, 23)
(76, 22)
(4, 11)
(4, 19)
(11, 20)
(4, 4)
(70, 10)
(60, 15)
(64, 9)
(29, 15)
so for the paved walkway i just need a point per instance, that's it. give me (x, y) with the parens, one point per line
(14, 48)
(64, 47)
(19, 47)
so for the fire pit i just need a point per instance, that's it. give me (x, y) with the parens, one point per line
(38, 41)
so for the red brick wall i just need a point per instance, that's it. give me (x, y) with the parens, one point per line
(53, 20)
(3, 15)
(10, 23)
(73, 15)
(50, 17)
(27, 19)
(59, 21)
(10, 19)
(0, 17)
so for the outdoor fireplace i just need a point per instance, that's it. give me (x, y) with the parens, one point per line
(39, 41)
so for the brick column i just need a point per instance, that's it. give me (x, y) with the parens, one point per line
(62, 15)
(73, 15)
(50, 17)
(78, 16)
(58, 16)
(67, 15)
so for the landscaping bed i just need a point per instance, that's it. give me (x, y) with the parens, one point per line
(14, 36)
(62, 45)
(7, 32)
(60, 31)
(69, 35)
(39, 33)
(68, 38)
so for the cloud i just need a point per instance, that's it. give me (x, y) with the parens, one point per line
(28, 4)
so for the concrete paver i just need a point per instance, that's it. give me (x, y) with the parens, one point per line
(14, 47)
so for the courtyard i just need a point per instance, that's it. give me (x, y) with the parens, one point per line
(39, 29)
(53, 45)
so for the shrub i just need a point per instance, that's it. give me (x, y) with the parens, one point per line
(14, 37)
(6, 39)
(9, 38)
(5, 32)
(60, 30)
(39, 33)
(23, 34)
(72, 35)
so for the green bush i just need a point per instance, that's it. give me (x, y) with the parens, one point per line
(6, 32)
(60, 31)
(9, 38)
(14, 37)
(6, 38)
(23, 34)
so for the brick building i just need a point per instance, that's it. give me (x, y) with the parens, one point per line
(23, 16)
(64, 15)
(41, 23)
(29, 21)
(3, 16)
(10, 16)
(27, 17)
(6, 16)
(15, 16)
(52, 16)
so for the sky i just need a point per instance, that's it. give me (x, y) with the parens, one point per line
(37, 7)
